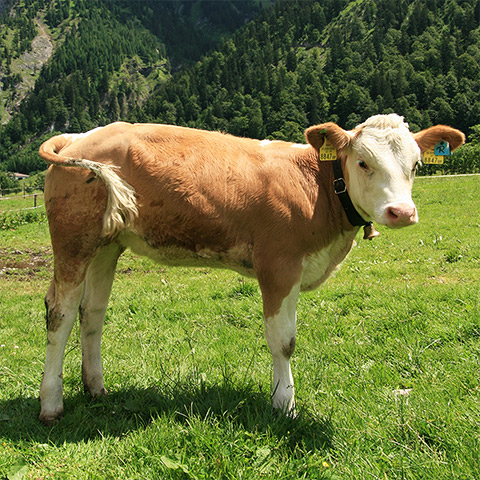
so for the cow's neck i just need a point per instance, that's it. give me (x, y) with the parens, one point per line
(340, 188)
(330, 220)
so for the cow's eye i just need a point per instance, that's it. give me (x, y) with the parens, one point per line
(363, 165)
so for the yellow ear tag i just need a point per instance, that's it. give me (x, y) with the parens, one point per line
(435, 156)
(327, 152)
(429, 158)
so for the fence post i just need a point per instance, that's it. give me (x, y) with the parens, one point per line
(35, 200)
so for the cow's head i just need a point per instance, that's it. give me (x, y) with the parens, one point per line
(379, 159)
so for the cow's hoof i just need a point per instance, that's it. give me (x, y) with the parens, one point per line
(50, 419)
(289, 413)
(101, 393)
(95, 393)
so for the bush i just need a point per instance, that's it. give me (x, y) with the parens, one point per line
(7, 182)
(464, 160)
(12, 220)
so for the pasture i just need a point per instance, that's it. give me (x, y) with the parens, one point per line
(387, 364)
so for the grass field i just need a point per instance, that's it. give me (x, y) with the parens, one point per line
(386, 366)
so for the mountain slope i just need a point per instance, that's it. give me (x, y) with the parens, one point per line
(23, 72)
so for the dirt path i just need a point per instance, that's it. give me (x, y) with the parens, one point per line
(24, 262)
(31, 62)
(28, 65)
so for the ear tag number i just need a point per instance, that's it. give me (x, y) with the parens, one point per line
(327, 152)
(436, 155)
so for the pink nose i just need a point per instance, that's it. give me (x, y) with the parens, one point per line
(401, 215)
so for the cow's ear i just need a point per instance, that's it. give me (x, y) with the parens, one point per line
(336, 135)
(428, 138)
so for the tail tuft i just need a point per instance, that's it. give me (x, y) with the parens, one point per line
(121, 206)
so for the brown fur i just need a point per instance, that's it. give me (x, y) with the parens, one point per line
(50, 149)
(335, 134)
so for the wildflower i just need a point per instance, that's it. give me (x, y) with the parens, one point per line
(402, 392)
(325, 464)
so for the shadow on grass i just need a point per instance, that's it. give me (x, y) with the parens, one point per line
(134, 408)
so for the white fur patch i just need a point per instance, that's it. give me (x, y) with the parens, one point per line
(301, 145)
(391, 120)
(280, 332)
(318, 266)
(238, 258)
(74, 137)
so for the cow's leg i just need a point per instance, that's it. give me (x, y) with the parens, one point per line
(98, 284)
(62, 302)
(76, 205)
(280, 289)
(280, 331)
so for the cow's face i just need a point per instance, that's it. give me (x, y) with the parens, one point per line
(379, 162)
(380, 167)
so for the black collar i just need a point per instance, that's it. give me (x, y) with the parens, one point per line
(353, 216)
(340, 188)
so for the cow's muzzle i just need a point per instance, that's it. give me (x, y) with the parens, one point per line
(401, 215)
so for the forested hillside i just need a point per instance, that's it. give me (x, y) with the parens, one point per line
(306, 62)
(295, 64)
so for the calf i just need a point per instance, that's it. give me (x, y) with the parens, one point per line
(268, 209)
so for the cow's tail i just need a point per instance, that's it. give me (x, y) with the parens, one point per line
(121, 208)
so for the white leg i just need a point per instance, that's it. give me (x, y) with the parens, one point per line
(280, 331)
(98, 285)
(62, 308)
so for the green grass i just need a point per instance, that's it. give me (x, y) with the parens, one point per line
(189, 373)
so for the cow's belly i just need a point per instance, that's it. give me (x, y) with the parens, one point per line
(238, 258)
(318, 266)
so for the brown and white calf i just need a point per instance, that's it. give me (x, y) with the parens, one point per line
(181, 196)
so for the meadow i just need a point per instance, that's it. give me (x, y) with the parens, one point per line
(386, 366)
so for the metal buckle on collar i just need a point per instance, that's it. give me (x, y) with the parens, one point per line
(339, 186)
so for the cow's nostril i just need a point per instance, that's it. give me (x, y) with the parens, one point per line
(393, 213)
(401, 215)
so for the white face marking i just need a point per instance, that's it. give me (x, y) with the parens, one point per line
(380, 170)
